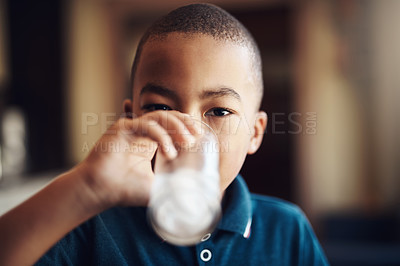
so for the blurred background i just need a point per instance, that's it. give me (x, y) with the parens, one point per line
(331, 74)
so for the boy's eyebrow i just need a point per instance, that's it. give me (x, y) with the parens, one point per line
(220, 92)
(160, 90)
(163, 91)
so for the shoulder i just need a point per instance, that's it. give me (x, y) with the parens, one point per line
(272, 214)
(106, 233)
(279, 223)
(274, 206)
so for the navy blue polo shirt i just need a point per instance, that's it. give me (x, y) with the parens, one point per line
(254, 230)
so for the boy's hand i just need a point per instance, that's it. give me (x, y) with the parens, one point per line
(118, 169)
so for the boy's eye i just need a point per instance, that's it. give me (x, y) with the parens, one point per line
(155, 107)
(218, 112)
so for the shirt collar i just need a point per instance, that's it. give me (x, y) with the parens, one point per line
(237, 209)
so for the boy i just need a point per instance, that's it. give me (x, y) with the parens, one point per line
(197, 62)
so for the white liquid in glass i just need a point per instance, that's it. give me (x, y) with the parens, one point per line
(184, 205)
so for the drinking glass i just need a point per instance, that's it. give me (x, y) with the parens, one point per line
(185, 197)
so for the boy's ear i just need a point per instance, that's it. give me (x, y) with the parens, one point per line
(127, 106)
(258, 134)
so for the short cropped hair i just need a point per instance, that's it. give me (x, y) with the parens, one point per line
(209, 20)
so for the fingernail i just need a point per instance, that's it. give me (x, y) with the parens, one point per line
(197, 127)
(172, 152)
(190, 139)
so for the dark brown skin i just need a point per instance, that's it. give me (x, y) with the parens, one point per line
(194, 70)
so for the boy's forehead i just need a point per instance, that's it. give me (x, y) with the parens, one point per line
(191, 55)
(194, 45)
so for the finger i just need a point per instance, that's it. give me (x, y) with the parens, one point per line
(174, 125)
(192, 124)
(153, 130)
(150, 129)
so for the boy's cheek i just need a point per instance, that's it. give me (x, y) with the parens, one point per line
(229, 170)
(231, 160)
(229, 127)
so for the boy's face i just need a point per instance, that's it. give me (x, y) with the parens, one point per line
(210, 80)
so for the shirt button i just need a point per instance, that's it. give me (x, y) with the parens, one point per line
(205, 255)
(206, 237)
